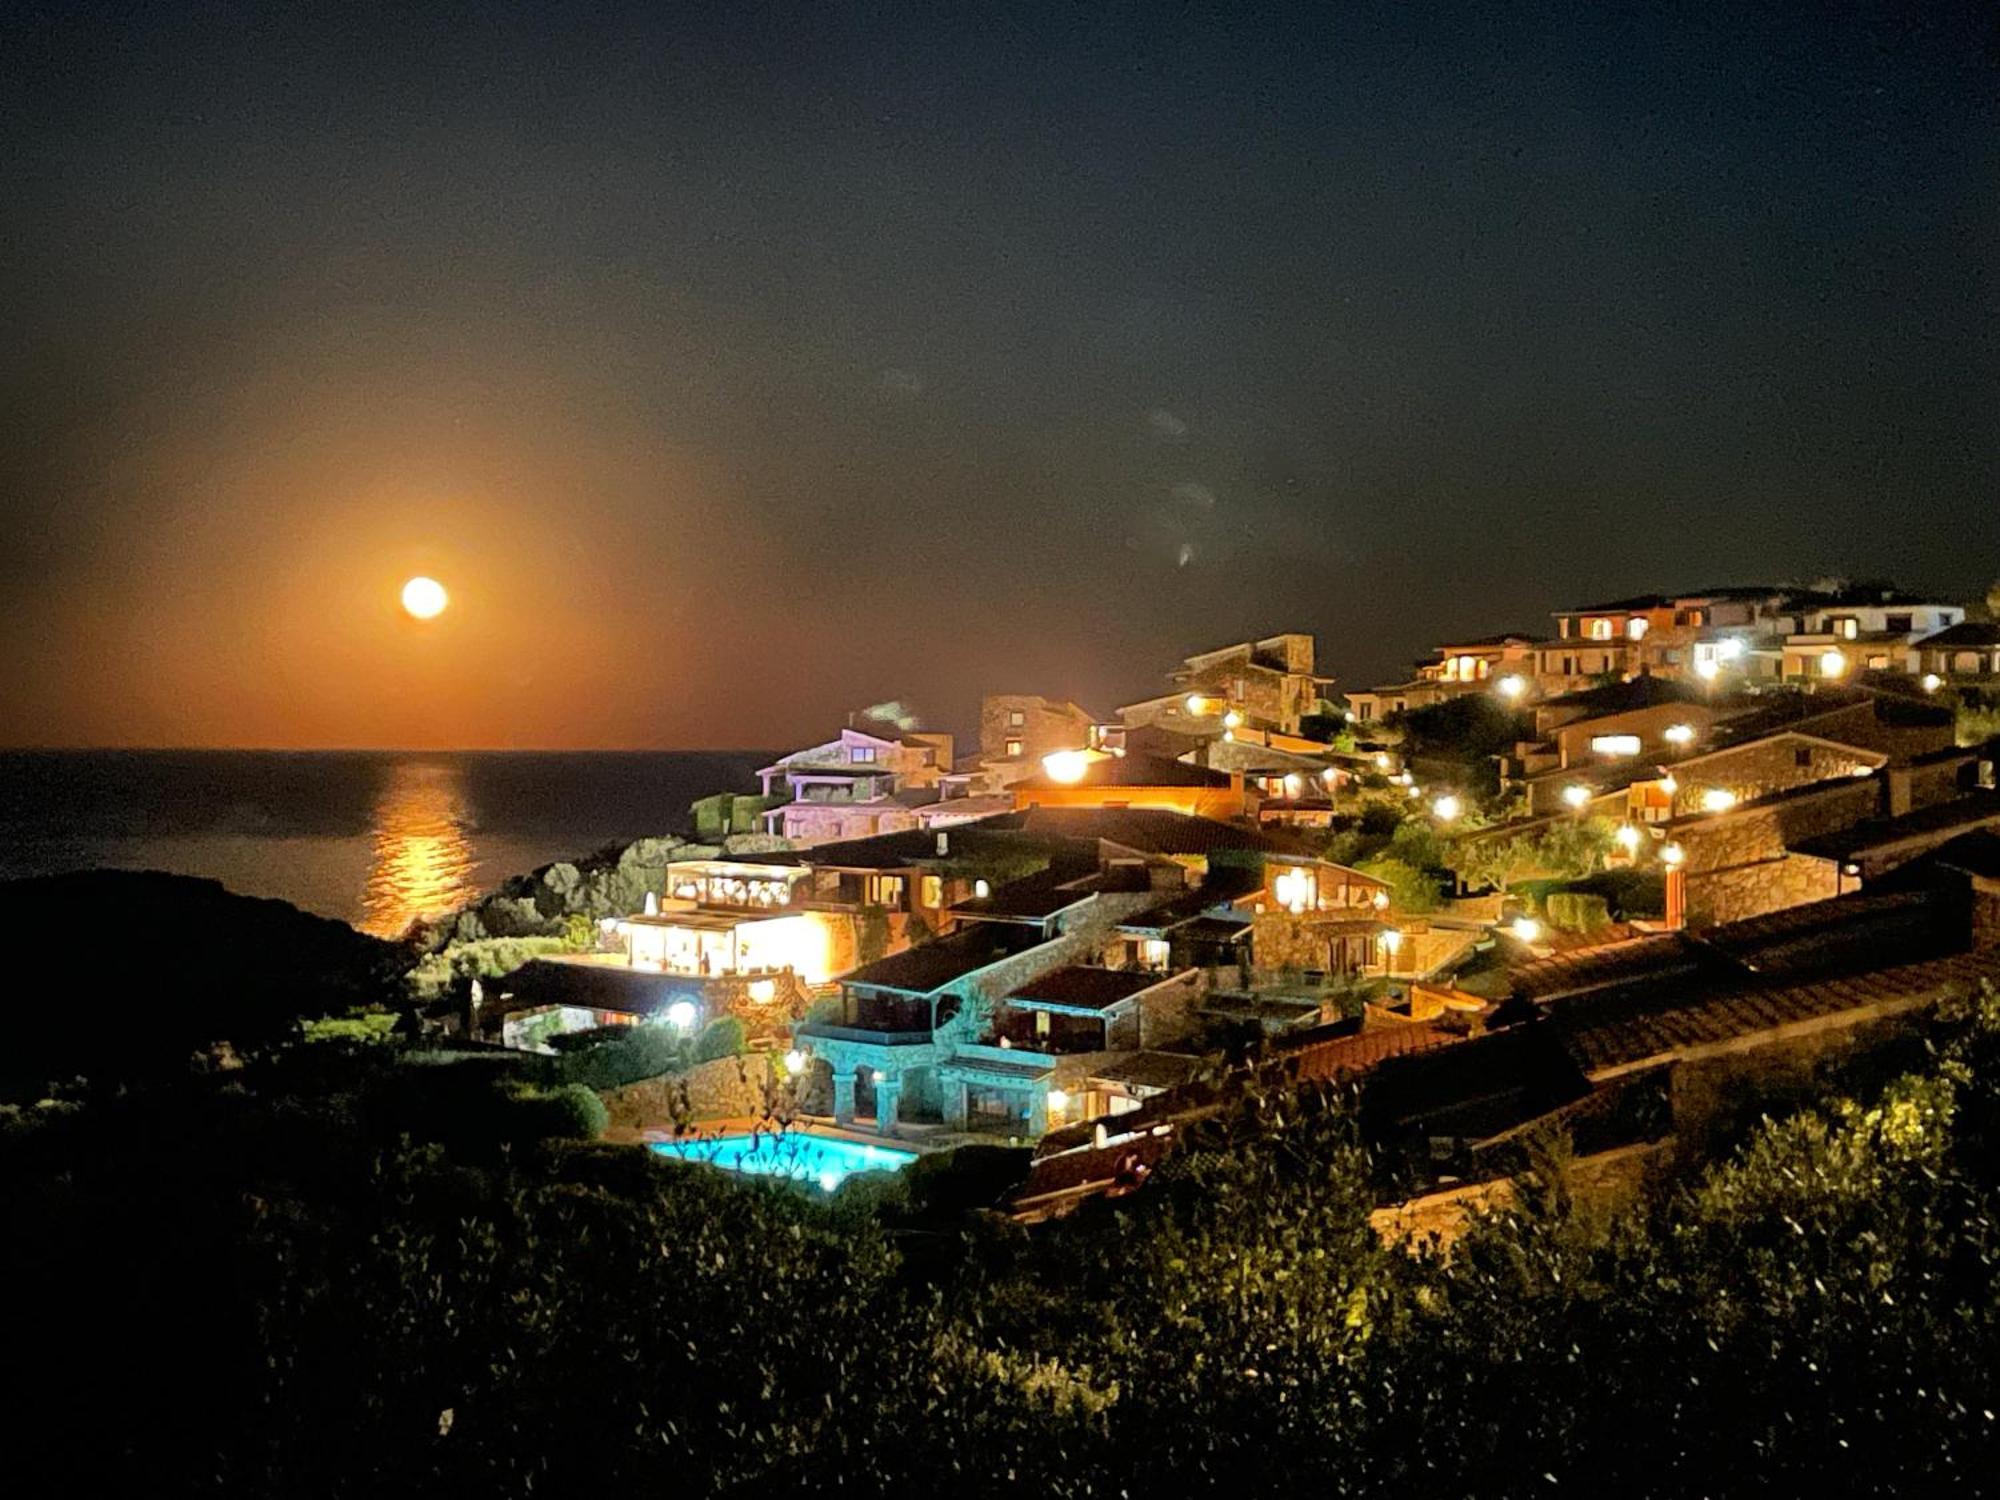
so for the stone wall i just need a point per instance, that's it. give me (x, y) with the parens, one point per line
(728, 1087)
(1765, 766)
(1766, 885)
(1748, 834)
(1602, 1184)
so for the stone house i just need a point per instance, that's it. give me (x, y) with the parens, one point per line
(1267, 684)
(1966, 655)
(1137, 781)
(1017, 730)
(1844, 633)
(870, 780)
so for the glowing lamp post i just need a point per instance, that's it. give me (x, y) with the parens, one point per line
(1674, 857)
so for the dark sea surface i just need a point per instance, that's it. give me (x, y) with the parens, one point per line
(377, 838)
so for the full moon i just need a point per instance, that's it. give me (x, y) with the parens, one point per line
(424, 598)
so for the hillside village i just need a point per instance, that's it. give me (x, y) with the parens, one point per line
(1630, 876)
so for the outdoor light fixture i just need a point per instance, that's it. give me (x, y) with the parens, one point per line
(981, 888)
(1669, 785)
(1729, 649)
(1628, 837)
(1932, 682)
(1672, 855)
(1717, 799)
(795, 1062)
(1576, 796)
(1415, 790)
(1707, 670)
(1232, 719)
(881, 1077)
(1679, 734)
(681, 1015)
(1067, 766)
(1058, 1101)
(1381, 762)
(1294, 784)
(1832, 664)
(1196, 704)
(1391, 941)
(1380, 900)
(1446, 808)
(1511, 687)
(1527, 929)
(1330, 776)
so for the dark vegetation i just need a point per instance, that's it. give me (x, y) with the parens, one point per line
(124, 974)
(331, 1273)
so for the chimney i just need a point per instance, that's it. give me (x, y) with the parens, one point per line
(652, 904)
(943, 844)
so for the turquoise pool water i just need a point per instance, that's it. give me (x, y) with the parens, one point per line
(819, 1159)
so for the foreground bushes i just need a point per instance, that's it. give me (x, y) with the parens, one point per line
(377, 1311)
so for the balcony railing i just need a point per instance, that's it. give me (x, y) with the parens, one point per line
(832, 1033)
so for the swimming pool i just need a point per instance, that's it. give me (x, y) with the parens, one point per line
(822, 1159)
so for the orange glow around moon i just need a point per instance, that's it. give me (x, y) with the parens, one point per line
(424, 598)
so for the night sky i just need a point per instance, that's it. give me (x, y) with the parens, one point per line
(738, 367)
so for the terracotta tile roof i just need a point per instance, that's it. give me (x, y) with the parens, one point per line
(1938, 822)
(1307, 1057)
(1966, 633)
(1618, 1029)
(1153, 1070)
(1073, 1176)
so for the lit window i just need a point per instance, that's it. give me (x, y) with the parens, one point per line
(1614, 744)
(861, 755)
(1016, 718)
(1013, 749)
(933, 891)
(1600, 630)
(1635, 629)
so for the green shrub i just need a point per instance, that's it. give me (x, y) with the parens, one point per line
(613, 1056)
(488, 958)
(1410, 889)
(370, 1026)
(722, 1037)
(566, 1111)
(1578, 911)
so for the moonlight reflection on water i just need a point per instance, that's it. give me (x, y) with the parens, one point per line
(423, 862)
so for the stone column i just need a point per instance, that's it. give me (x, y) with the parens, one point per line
(887, 1094)
(957, 1106)
(843, 1096)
